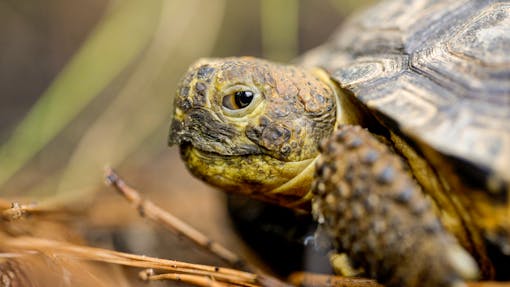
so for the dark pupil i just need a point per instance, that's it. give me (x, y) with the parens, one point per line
(243, 98)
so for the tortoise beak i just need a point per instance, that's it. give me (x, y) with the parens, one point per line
(200, 129)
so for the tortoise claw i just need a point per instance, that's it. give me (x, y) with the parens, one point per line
(463, 263)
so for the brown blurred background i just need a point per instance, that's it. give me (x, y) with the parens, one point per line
(89, 83)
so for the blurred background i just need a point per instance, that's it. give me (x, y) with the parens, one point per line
(85, 84)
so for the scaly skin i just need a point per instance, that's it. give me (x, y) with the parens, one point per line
(376, 213)
(258, 149)
(370, 205)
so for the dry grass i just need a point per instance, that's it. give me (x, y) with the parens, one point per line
(37, 247)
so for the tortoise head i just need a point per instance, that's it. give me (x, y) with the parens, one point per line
(251, 126)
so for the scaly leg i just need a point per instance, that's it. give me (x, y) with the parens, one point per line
(370, 205)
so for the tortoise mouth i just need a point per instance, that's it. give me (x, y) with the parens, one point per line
(218, 153)
(187, 147)
(256, 175)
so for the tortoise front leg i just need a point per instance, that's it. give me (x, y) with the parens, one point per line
(370, 205)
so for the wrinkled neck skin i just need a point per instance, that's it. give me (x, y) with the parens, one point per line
(269, 151)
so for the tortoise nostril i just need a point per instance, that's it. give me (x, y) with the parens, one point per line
(185, 144)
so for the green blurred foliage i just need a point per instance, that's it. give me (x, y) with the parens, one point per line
(103, 86)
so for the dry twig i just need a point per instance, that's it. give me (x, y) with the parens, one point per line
(148, 209)
(189, 271)
(320, 280)
(202, 281)
(13, 210)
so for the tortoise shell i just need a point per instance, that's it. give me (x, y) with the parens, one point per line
(436, 71)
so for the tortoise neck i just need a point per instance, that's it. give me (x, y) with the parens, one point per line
(347, 113)
(299, 185)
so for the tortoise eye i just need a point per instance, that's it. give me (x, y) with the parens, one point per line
(238, 100)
